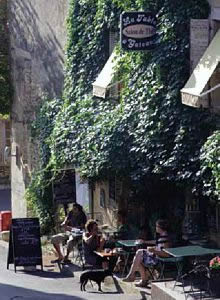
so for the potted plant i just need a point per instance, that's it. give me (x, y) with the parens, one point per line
(214, 276)
(214, 265)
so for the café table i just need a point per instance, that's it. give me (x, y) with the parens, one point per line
(104, 253)
(110, 254)
(195, 252)
(76, 234)
(130, 247)
(134, 243)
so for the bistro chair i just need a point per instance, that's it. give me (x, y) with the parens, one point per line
(82, 260)
(79, 257)
(170, 264)
(166, 265)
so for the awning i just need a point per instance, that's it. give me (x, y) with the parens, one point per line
(105, 77)
(192, 93)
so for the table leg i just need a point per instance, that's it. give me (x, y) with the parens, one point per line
(127, 254)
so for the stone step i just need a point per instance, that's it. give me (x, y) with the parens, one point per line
(165, 291)
(4, 235)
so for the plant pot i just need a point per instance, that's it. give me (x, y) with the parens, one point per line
(215, 273)
(214, 284)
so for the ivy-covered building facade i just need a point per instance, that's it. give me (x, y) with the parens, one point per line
(202, 88)
(132, 139)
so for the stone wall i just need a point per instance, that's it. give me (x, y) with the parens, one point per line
(37, 39)
(5, 170)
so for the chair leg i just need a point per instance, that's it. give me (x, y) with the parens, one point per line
(162, 267)
(64, 249)
(126, 264)
(151, 270)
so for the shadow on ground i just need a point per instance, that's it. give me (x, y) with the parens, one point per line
(14, 292)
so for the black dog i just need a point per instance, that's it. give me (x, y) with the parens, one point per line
(94, 275)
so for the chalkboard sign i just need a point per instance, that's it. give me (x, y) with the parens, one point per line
(64, 187)
(24, 243)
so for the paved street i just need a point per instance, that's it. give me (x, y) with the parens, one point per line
(55, 285)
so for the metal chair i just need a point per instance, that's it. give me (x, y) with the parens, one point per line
(167, 262)
(81, 258)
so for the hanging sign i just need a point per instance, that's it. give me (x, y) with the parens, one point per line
(64, 187)
(138, 31)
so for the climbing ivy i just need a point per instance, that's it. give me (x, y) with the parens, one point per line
(39, 194)
(148, 131)
(210, 157)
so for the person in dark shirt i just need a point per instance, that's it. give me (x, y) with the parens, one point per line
(76, 218)
(123, 227)
(92, 241)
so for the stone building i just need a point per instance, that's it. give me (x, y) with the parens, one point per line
(202, 90)
(37, 39)
(5, 132)
(203, 86)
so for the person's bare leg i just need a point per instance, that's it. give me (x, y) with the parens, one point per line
(144, 273)
(58, 250)
(136, 265)
(105, 265)
(66, 257)
(70, 247)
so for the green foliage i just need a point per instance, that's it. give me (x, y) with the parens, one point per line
(210, 156)
(88, 27)
(5, 90)
(88, 127)
(43, 126)
(40, 202)
(39, 192)
(148, 132)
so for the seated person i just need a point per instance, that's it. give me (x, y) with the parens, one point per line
(145, 257)
(124, 233)
(76, 218)
(124, 229)
(93, 242)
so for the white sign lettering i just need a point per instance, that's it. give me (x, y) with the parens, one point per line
(139, 31)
